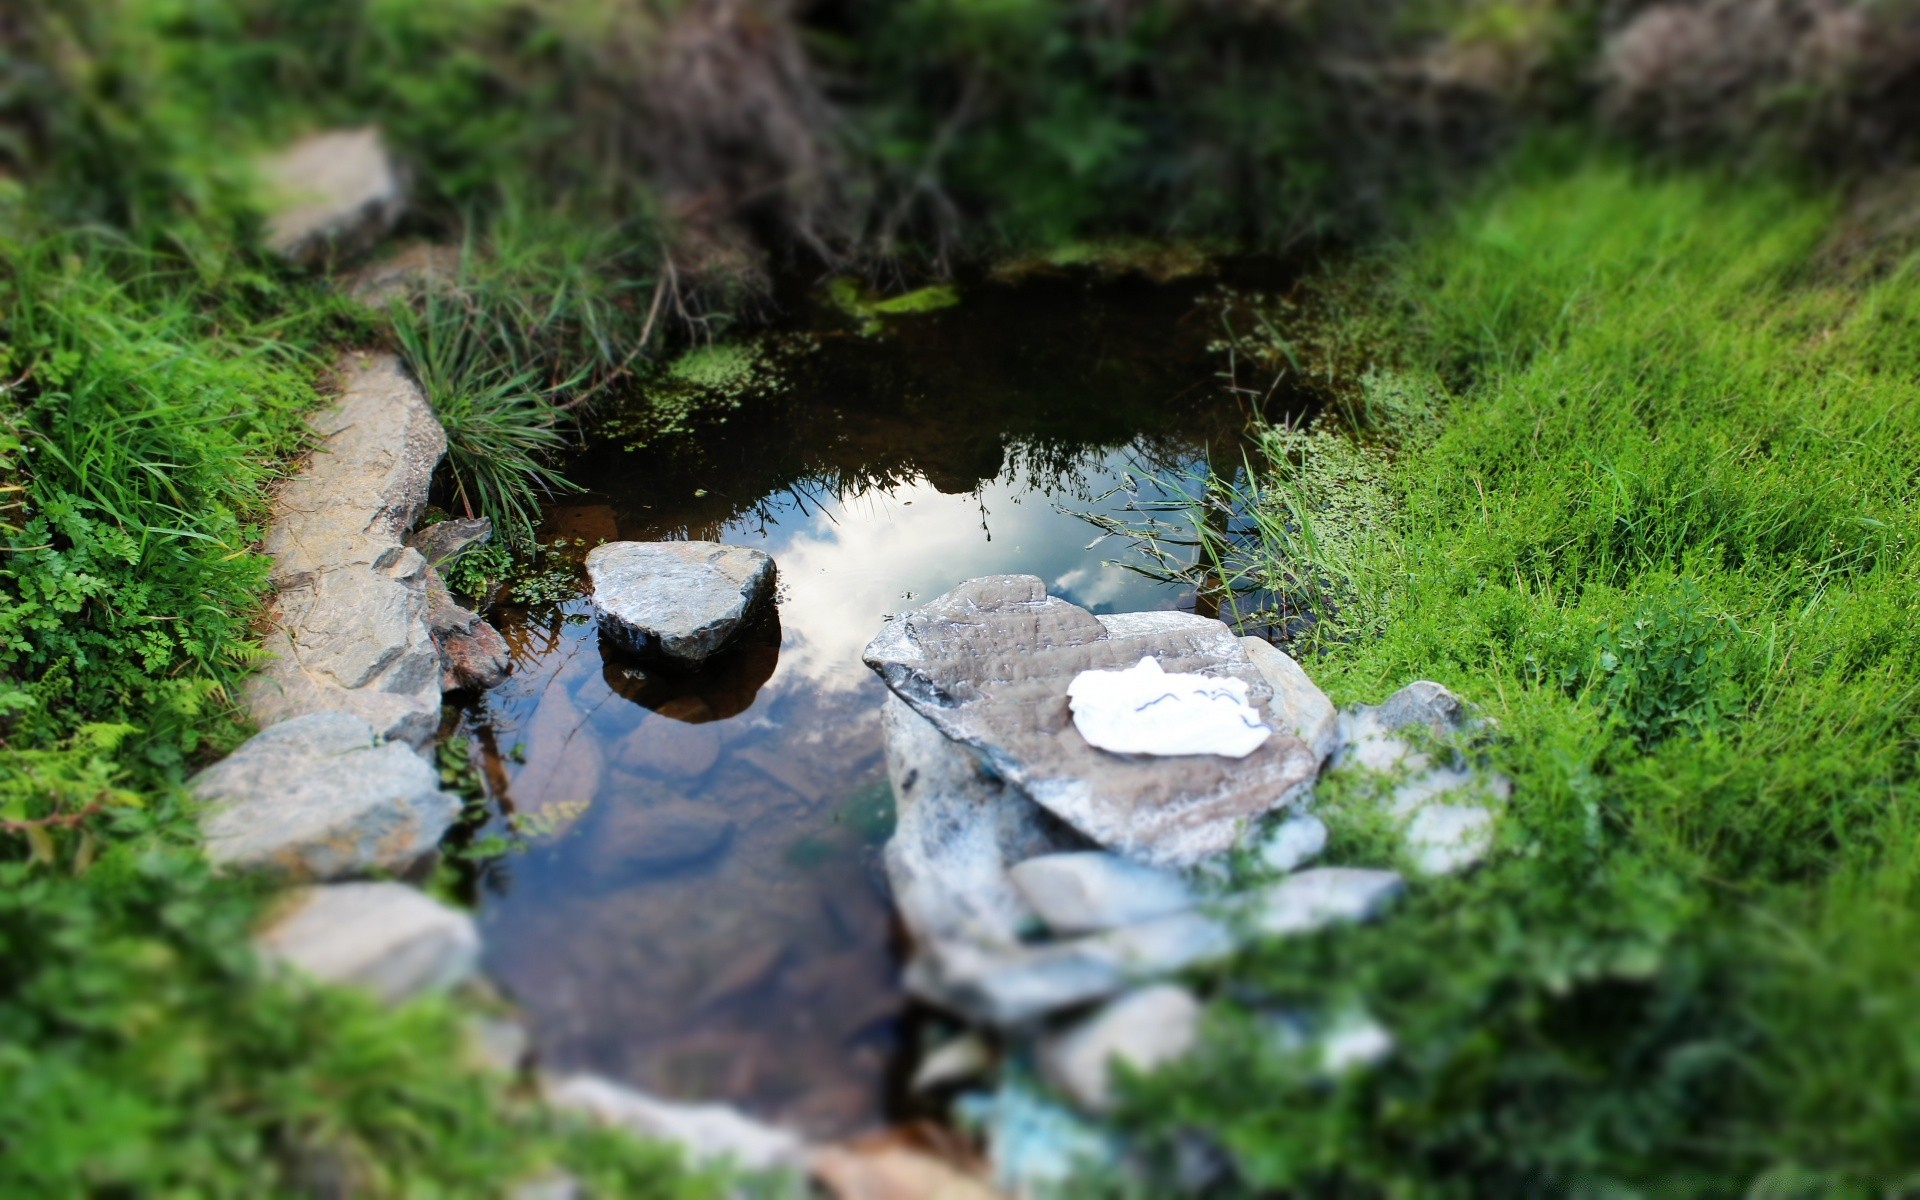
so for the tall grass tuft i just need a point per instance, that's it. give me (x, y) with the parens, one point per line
(503, 421)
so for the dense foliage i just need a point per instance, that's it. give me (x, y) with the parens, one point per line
(1664, 534)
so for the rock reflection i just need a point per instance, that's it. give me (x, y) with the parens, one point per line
(724, 687)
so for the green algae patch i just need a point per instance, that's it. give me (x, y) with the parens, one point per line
(1159, 260)
(703, 385)
(854, 299)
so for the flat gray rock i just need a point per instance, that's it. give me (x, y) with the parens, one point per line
(957, 830)
(351, 600)
(1141, 1030)
(1091, 890)
(384, 938)
(989, 664)
(331, 193)
(320, 797)
(679, 601)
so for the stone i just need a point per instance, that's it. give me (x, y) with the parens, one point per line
(1323, 896)
(1146, 710)
(1091, 890)
(1446, 838)
(552, 1185)
(444, 541)
(331, 194)
(882, 1169)
(1292, 843)
(963, 1060)
(320, 797)
(1298, 704)
(386, 939)
(957, 829)
(1012, 987)
(989, 664)
(407, 274)
(1141, 1030)
(668, 748)
(1368, 733)
(1036, 1146)
(497, 1042)
(473, 655)
(1441, 838)
(1347, 1041)
(678, 601)
(657, 837)
(350, 629)
(709, 1134)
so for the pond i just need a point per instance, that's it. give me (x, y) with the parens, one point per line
(698, 907)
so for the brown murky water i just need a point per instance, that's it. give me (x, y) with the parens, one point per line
(714, 924)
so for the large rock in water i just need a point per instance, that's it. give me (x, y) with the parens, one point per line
(320, 797)
(351, 599)
(678, 601)
(957, 829)
(332, 193)
(989, 664)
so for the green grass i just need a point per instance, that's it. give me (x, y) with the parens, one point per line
(1666, 535)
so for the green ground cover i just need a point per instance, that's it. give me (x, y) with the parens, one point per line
(1650, 501)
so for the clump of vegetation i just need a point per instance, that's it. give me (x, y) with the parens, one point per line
(503, 425)
(1664, 537)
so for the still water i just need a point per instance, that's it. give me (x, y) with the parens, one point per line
(700, 909)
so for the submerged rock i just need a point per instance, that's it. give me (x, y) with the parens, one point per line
(384, 938)
(320, 797)
(989, 664)
(332, 194)
(679, 601)
(350, 603)
(1141, 1030)
(709, 1133)
(1145, 710)
(1092, 890)
(656, 837)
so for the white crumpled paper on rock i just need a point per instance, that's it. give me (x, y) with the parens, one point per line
(1144, 710)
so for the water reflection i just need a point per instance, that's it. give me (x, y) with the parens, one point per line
(702, 910)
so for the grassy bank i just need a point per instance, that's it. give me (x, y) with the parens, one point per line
(1650, 502)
